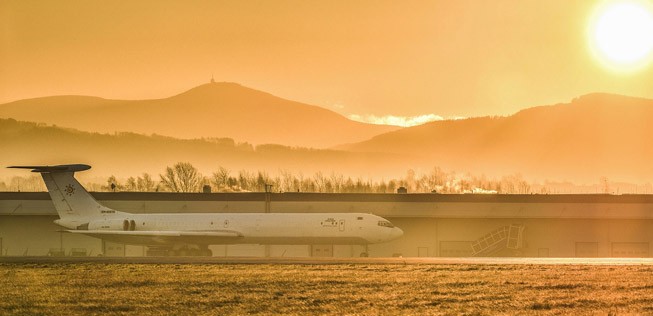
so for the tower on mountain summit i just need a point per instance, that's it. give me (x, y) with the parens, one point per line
(212, 80)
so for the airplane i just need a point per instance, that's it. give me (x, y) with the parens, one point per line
(181, 234)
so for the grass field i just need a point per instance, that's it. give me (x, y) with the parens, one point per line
(210, 289)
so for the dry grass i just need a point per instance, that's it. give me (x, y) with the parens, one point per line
(177, 289)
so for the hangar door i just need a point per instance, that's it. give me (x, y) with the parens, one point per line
(321, 250)
(112, 249)
(630, 249)
(455, 249)
(587, 249)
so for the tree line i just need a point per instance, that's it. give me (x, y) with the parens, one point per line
(184, 177)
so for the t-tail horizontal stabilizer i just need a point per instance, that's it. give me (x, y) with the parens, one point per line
(53, 169)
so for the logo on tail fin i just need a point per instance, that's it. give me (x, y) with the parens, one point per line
(70, 190)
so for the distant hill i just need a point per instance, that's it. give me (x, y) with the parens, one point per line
(210, 110)
(129, 154)
(593, 136)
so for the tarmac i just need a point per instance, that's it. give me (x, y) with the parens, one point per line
(327, 261)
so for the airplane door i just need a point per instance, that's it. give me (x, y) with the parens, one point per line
(341, 225)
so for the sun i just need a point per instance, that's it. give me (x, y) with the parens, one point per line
(621, 34)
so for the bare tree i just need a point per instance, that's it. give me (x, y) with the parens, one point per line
(220, 179)
(31, 183)
(131, 184)
(246, 180)
(182, 177)
(337, 181)
(262, 179)
(392, 185)
(300, 183)
(410, 180)
(287, 181)
(112, 184)
(318, 181)
(145, 183)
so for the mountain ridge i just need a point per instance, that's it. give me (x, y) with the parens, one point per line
(592, 136)
(210, 110)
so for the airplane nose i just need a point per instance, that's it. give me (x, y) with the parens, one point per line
(396, 232)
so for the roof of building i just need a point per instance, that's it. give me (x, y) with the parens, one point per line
(350, 197)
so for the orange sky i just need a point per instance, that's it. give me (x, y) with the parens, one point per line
(449, 58)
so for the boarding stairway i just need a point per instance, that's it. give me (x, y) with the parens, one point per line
(506, 237)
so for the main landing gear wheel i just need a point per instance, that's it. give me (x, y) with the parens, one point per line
(365, 253)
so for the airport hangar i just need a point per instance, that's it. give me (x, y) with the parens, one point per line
(434, 225)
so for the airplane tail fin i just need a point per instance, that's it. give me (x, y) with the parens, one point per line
(70, 198)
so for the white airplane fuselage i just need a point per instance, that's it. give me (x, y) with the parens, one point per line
(239, 228)
(80, 213)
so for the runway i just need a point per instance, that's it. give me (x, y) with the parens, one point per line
(331, 261)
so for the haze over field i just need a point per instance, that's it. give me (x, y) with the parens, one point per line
(129, 154)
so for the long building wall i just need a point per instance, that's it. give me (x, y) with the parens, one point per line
(434, 225)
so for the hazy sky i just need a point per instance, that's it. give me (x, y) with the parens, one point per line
(405, 58)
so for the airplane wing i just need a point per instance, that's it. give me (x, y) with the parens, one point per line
(164, 233)
(163, 237)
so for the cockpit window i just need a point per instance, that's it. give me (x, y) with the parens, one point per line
(386, 224)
